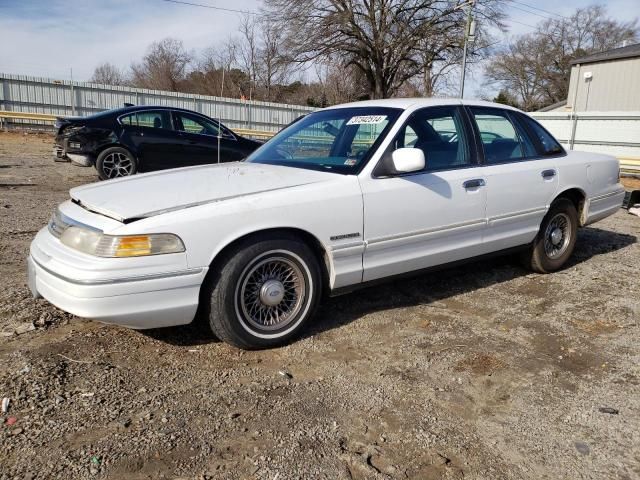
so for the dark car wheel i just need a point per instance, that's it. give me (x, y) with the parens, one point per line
(115, 162)
(263, 293)
(556, 239)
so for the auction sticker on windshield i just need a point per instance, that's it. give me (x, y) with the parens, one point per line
(367, 119)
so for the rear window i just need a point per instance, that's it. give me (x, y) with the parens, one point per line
(550, 145)
(160, 119)
(502, 139)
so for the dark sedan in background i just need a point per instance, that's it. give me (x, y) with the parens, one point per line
(134, 139)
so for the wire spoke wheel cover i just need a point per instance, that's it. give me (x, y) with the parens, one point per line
(557, 236)
(117, 164)
(272, 291)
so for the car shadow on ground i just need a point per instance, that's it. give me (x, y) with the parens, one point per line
(421, 289)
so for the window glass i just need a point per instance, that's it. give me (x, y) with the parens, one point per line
(195, 124)
(128, 119)
(337, 140)
(501, 140)
(154, 119)
(365, 137)
(439, 133)
(410, 137)
(550, 145)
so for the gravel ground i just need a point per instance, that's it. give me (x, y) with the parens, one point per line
(481, 372)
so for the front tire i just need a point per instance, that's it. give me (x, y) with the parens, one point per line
(263, 292)
(556, 238)
(116, 162)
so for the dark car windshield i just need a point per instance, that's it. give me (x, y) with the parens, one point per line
(338, 140)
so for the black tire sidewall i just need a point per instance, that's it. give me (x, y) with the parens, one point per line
(541, 259)
(225, 315)
(110, 150)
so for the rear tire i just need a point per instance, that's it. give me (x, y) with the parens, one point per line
(556, 238)
(115, 162)
(263, 292)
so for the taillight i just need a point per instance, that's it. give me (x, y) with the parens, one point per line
(72, 130)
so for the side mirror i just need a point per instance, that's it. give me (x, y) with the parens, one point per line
(407, 160)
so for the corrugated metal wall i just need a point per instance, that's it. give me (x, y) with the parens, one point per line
(41, 95)
(614, 133)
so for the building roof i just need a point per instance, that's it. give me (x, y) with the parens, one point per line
(630, 51)
(553, 106)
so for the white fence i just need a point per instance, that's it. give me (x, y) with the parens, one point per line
(20, 93)
(614, 133)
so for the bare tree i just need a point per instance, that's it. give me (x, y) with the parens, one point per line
(535, 68)
(217, 73)
(383, 39)
(273, 66)
(520, 68)
(248, 50)
(108, 74)
(164, 67)
(338, 84)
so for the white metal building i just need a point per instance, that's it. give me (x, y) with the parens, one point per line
(606, 81)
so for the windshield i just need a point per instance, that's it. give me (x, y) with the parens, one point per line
(338, 140)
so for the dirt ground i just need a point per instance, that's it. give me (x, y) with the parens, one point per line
(631, 183)
(481, 372)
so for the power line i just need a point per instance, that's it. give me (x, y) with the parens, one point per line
(522, 23)
(533, 13)
(533, 7)
(212, 7)
(553, 34)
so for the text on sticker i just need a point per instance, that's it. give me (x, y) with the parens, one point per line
(367, 119)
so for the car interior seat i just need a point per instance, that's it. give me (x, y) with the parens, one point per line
(438, 152)
(502, 149)
(157, 123)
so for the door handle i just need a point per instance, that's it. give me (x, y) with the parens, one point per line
(548, 174)
(475, 183)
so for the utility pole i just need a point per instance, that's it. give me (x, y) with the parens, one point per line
(469, 37)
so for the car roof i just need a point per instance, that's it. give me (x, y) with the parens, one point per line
(162, 107)
(413, 103)
(138, 108)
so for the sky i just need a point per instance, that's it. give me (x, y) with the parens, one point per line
(52, 38)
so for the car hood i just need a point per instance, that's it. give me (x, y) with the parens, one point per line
(141, 196)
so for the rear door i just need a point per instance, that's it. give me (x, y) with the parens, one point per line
(204, 138)
(520, 183)
(151, 132)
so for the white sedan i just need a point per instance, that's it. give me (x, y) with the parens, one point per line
(344, 196)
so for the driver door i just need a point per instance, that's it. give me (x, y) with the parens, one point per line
(429, 217)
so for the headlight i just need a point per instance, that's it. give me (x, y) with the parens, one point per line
(96, 243)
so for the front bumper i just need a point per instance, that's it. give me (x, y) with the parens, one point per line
(136, 300)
